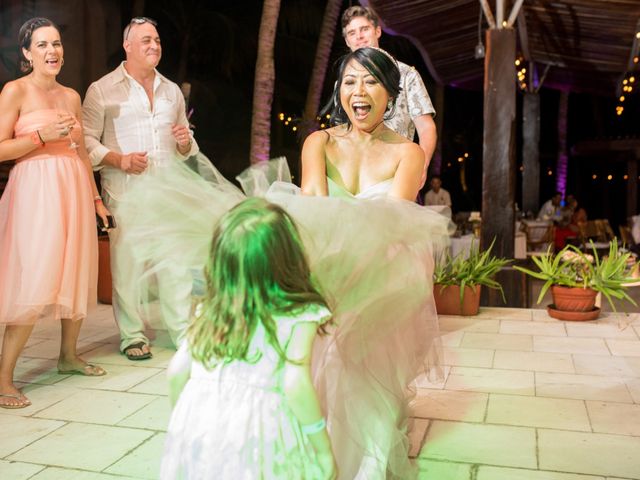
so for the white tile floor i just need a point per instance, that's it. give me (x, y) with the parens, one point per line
(524, 397)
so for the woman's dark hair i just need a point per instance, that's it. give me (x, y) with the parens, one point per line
(379, 64)
(24, 38)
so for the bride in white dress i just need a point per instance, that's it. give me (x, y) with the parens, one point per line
(370, 250)
(365, 369)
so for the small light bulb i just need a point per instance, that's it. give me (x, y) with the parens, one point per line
(632, 79)
(594, 176)
(294, 128)
(517, 62)
(609, 177)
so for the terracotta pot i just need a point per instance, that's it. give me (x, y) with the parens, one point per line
(574, 299)
(448, 300)
(104, 270)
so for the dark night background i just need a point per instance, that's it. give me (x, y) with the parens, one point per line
(213, 45)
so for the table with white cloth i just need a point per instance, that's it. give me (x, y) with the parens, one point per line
(463, 245)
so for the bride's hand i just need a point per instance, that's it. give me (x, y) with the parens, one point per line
(58, 129)
(328, 466)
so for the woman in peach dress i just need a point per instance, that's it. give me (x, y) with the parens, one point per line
(48, 242)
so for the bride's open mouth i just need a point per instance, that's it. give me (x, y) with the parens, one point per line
(52, 62)
(360, 110)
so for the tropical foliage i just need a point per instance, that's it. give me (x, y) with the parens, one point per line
(479, 268)
(571, 267)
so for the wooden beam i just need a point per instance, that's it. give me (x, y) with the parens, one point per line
(499, 13)
(515, 11)
(523, 35)
(487, 13)
(498, 157)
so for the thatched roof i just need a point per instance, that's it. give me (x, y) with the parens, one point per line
(587, 44)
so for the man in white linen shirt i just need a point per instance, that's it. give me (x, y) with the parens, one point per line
(133, 118)
(413, 109)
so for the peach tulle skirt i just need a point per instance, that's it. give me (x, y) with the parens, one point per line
(48, 241)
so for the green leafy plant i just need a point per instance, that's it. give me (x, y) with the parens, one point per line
(478, 268)
(571, 267)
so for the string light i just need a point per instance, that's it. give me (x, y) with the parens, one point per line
(609, 177)
(594, 176)
(628, 78)
(521, 73)
(626, 177)
(293, 121)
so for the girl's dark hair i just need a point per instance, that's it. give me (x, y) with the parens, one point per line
(256, 268)
(24, 38)
(379, 64)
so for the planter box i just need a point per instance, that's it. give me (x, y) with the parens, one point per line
(448, 300)
(105, 284)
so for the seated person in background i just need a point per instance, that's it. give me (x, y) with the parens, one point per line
(577, 216)
(550, 209)
(566, 212)
(437, 195)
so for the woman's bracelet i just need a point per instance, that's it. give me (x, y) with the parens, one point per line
(312, 428)
(36, 139)
(97, 199)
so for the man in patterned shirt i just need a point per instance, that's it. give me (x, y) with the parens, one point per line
(413, 109)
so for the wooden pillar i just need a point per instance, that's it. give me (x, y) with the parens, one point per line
(531, 153)
(498, 157)
(632, 186)
(498, 162)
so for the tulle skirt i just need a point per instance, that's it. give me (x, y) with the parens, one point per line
(48, 241)
(373, 260)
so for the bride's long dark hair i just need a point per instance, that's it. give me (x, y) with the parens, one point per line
(379, 64)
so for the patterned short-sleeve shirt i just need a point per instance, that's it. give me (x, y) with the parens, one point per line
(412, 102)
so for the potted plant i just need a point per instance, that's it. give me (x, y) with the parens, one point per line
(459, 280)
(575, 278)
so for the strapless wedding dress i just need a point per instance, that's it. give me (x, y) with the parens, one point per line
(371, 256)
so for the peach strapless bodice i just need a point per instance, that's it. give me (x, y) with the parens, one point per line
(37, 119)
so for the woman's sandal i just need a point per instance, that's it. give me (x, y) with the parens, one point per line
(88, 370)
(24, 401)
